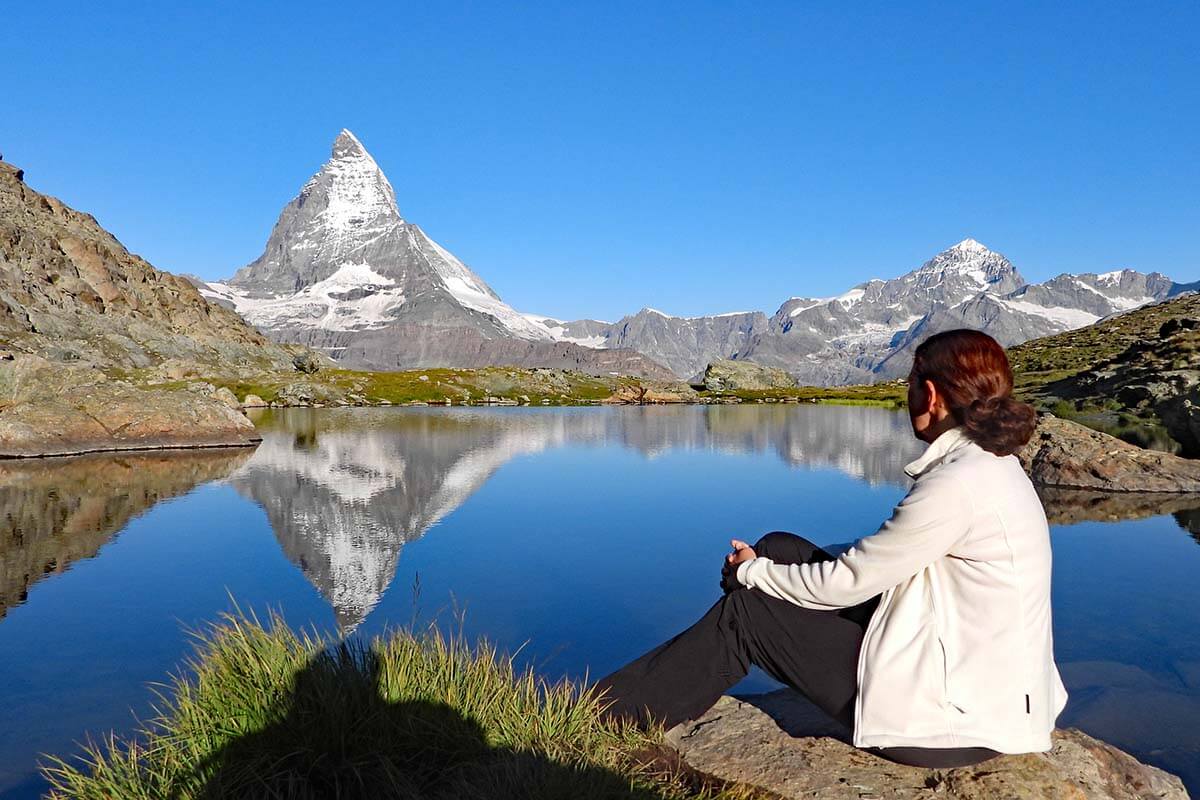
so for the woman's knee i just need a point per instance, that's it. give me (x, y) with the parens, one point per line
(788, 548)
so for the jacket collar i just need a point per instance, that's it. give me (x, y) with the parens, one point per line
(941, 447)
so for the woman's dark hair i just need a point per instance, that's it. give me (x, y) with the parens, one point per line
(971, 371)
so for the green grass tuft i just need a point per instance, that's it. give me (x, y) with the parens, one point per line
(265, 712)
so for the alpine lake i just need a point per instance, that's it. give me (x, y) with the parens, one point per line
(576, 537)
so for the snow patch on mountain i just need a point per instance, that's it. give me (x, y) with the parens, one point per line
(353, 298)
(357, 190)
(1068, 318)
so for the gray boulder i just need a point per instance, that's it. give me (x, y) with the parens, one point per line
(779, 742)
(306, 362)
(731, 376)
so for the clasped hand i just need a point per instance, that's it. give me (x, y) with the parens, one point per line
(741, 552)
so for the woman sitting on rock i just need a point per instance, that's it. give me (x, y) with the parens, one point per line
(931, 638)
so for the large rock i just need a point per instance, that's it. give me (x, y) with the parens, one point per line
(49, 409)
(1064, 453)
(780, 743)
(730, 376)
(225, 395)
(308, 393)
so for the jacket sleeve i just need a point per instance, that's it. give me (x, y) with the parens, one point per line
(928, 522)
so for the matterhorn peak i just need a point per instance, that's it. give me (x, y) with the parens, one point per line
(355, 186)
(347, 145)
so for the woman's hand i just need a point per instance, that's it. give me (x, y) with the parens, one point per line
(741, 552)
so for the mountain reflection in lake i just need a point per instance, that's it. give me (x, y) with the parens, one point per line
(345, 490)
(586, 535)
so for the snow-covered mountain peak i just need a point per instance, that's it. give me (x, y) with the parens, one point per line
(355, 188)
(970, 267)
(341, 260)
(970, 246)
(966, 252)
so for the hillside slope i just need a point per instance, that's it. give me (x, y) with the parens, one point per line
(70, 292)
(1135, 374)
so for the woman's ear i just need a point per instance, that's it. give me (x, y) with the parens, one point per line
(932, 399)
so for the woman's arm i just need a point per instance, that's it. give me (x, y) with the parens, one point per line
(927, 523)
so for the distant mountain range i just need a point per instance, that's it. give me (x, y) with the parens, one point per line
(345, 273)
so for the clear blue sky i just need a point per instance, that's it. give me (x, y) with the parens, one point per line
(589, 159)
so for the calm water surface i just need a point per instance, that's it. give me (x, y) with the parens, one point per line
(588, 535)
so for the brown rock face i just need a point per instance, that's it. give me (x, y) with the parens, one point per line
(49, 409)
(1063, 453)
(804, 756)
(69, 291)
(77, 308)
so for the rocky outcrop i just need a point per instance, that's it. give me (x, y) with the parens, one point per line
(79, 313)
(779, 743)
(48, 409)
(730, 376)
(1064, 453)
(652, 392)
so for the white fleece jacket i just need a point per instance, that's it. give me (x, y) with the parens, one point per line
(959, 652)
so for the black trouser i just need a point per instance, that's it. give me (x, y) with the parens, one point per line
(814, 652)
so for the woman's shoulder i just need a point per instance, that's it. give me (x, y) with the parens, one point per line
(981, 475)
(991, 482)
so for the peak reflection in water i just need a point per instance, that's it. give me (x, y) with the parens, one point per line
(346, 489)
(60, 510)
